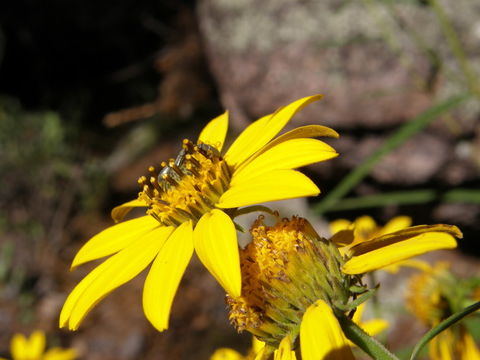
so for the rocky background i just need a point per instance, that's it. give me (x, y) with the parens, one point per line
(92, 93)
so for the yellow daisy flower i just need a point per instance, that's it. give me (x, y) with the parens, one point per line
(433, 295)
(33, 348)
(295, 283)
(190, 203)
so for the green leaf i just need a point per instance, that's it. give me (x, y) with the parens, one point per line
(445, 324)
(364, 341)
(407, 131)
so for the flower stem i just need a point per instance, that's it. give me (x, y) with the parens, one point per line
(364, 341)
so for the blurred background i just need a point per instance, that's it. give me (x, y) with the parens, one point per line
(93, 92)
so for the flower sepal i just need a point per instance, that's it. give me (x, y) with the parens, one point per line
(351, 305)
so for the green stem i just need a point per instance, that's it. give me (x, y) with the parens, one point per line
(364, 341)
(445, 324)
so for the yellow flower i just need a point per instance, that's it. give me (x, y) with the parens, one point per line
(230, 354)
(348, 234)
(433, 295)
(295, 283)
(190, 204)
(33, 348)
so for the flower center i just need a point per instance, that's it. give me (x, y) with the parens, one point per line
(427, 295)
(186, 187)
(285, 269)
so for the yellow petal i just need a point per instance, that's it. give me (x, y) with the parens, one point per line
(441, 347)
(321, 336)
(165, 275)
(226, 354)
(109, 275)
(215, 131)
(308, 131)
(272, 186)
(240, 149)
(265, 353)
(257, 345)
(290, 154)
(338, 225)
(397, 223)
(357, 317)
(114, 239)
(19, 347)
(364, 228)
(60, 354)
(398, 251)
(374, 326)
(404, 234)
(468, 348)
(413, 263)
(342, 232)
(119, 212)
(371, 327)
(36, 345)
(259, 133)
(284, 351)
(215, 241)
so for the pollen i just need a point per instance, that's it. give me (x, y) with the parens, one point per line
(187, 187)
(285, 269)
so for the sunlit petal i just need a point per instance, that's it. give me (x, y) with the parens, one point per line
(404, 234)
(109, 275)
(364, 228)
(215, 242)
(413, 263)
(307, 131)
(255, 137)
(287, 155)
(165, 275)
(321, 336)
(275, 185)
(397, 223)
(36, 345)
(338, 225)
(120, 211)
(114, 239)
(236, 153)
(398, 251)
(374, 326)
(257, 345)
(226, 354)
(215, 131)
(284, 351)
(18, 347)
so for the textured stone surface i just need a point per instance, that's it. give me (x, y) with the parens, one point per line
(374, 66)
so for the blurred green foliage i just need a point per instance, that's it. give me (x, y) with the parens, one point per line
(46, 179)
